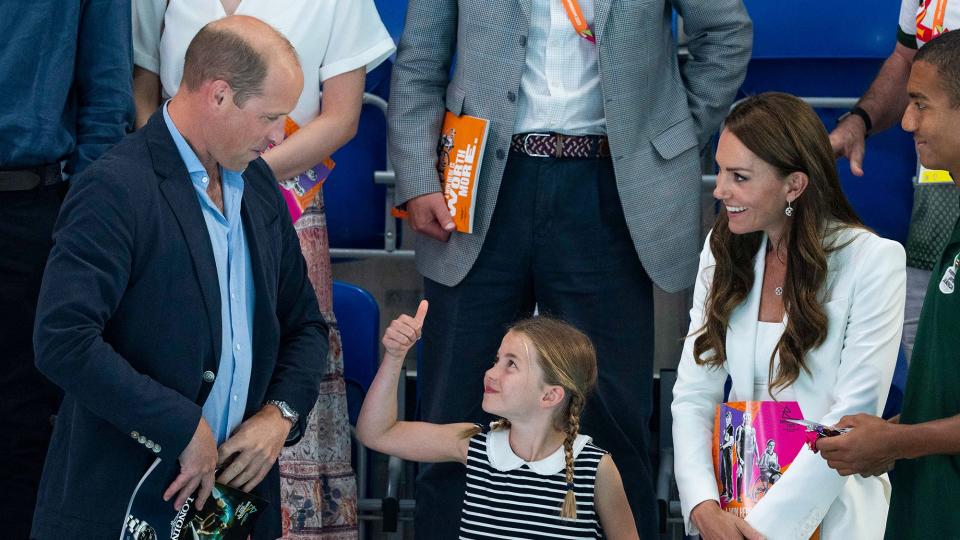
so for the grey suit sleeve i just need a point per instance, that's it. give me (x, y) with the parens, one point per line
(720, 40)
(418, 87)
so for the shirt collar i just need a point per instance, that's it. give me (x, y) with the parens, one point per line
(502, 457)
(187, 154)
(230, 181)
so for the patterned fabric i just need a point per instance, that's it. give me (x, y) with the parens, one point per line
(317, 486)
(658, 113)
(936, 207)
(556, 145)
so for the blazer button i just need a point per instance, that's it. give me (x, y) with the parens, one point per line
(511, 96)
(523, 41)
(500, 153)
(209, 377)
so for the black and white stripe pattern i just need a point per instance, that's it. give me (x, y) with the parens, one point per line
(522, 504)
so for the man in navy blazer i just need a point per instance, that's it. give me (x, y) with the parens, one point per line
(176, 287)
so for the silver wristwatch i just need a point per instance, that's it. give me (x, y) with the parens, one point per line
(285, 410)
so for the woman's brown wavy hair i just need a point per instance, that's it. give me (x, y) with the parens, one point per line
(785, 132)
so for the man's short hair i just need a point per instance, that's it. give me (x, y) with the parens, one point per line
(943, 53)
(221, 54)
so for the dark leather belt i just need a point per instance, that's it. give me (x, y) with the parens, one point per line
(31, 178)
(556, 145)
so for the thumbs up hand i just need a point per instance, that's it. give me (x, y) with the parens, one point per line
(403, 333)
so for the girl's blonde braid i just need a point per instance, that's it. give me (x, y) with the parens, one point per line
(569, 508)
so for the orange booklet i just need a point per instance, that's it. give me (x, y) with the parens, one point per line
(459, 155)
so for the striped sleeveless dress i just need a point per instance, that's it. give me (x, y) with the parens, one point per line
(507, 497)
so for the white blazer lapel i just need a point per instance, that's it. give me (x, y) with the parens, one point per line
(742, 332)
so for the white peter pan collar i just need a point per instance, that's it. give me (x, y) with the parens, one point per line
(502, 457)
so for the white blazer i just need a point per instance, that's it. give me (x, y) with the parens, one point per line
(849, 373)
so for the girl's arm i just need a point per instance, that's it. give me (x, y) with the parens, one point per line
(611, 502)
(378, 427)
(332, 128)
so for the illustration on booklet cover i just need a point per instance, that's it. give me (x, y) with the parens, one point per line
(228, 514)
(754, 444)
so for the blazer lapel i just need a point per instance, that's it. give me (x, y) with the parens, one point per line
(177, 189)
(525, 7)
(601, 9)
(742, 331)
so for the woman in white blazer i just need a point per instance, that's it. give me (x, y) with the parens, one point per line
(795, 299)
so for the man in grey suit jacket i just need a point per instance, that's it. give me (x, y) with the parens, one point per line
(588, 194)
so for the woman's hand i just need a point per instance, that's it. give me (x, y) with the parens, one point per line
(715, 524)
(403, 333)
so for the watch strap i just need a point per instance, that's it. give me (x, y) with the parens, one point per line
(863, 114)
(285, 410)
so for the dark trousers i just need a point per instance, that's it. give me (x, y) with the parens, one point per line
(27, 398)
(558, 241)
(726, 471)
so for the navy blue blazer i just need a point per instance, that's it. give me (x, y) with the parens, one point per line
(128, 322)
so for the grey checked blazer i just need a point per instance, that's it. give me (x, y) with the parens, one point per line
(658, 113)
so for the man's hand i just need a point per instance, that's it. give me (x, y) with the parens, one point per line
(403, 333)
(429, 215)
(254, 447)
(848, 140)
(715, 524)
(868, 449)
(198, 462)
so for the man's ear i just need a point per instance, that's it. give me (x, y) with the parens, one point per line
(552, 396)
(219, 93)
(796, 184)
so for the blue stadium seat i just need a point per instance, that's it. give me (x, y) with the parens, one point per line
(393, 13)
(354, 203)
(358, 318)
(835, 50)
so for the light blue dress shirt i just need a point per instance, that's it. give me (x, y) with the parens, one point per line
(225, 405)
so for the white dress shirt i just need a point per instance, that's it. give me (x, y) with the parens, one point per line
(560, 85)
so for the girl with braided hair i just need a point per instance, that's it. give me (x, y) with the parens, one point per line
(532, 474)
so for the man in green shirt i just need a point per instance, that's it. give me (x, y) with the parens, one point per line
(924, 440)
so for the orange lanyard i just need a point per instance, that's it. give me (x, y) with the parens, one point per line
(577, 20)
(938, 17)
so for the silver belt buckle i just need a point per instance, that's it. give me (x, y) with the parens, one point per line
(527, 137)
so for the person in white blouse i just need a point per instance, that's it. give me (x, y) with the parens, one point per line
(337, 42)
(795, 301)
